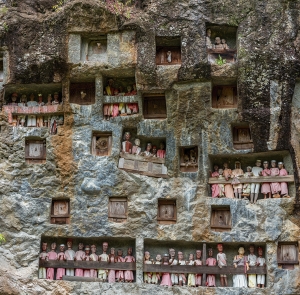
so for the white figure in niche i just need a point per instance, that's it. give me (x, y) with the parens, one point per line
(169, 56)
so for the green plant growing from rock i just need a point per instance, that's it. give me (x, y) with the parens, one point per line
(2, 239)
(59, 4)
(220, 61)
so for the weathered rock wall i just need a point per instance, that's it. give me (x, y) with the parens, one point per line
(43, 47)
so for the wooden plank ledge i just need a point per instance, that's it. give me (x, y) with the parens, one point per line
(253, 179)
(204, 269)
(88, 264)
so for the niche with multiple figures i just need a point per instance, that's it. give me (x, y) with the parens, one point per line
(287, 255)
(117, 209)
(220, 218)
(101, 144)
(119, 86)
(82, 93)
(168, 50)
(154, 106)
(188, 159)
(241, 135)
(35, 151)
(166, 211)
(60, 212)
(143, 155)
(224, 96)
(94, 48)
(221, 43)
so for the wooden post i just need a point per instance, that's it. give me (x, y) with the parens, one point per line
(204, 263)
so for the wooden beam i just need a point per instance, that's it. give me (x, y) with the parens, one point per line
(143, 159)
(203, 269)
(80, 279)
(146, 173)
(88, 264)
(287, 261)
(204, 263)
(254, 179)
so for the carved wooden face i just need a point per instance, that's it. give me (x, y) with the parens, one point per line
(93, 249)
(158, 257)
(80, 246)
(129, 251)
(251, 249)
(220, 247)
(191, 257)
(62, 248)
(260, 252)
(198, 254)
(180, 255)
(147, 255)
(105, 247)
(241, 251)
(44, 246)
(172, 252)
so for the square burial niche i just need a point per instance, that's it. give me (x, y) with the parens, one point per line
(101, 143)
(94, 48)
(118, 243)
(168, 50)
(241, 136)
(287, 255)
(220, 218)
(249, 160)
(143, 155)
(82, 93)
(60, 211)
(188, 159)
(117, 209)
(166, 211)
(155, 247)
(224, 96)
(154, 106)
(35, 151)
(119, 86)
(221, 43)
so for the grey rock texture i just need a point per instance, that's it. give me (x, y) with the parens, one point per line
(44, 46)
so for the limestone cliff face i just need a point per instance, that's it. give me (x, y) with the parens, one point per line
(42, 46)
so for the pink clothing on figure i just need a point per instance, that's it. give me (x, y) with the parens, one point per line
(283, 185)
(228, 187)
(161, 154)
(265, 188)
(112, 273)
(50, 271)
(211, 279)
(60, 271)
(128, 274)
(93, 272)
(120, 273)
(79, 255)
(215, 189)
(134, 107)
(198, 277)
(275, 186)
(115, 111)
(166, 279)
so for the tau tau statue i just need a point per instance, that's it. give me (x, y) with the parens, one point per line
(93, 257)
(218, 44)
(102, 274)
(222, 261)
(79, 256)
(283, 185)
(128, 274)
(173, 261)
(61, 256)
(120, 273)
(166, 279)
(198, 261)
(265, 188)
(256, 170)
(275, 186)
(208, 41)
(52, 255)
(252, 262)
(136, 150)
(191, 276)
(169, 56)
(156, 275)
(70, 255)
(112, 272)
(260, 262)
(237, 186)
(126, 144)
(210, 261)
(240, 280)
(181, 277)
(43, 256)
(147, 275)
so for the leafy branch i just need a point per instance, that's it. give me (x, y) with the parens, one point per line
(2, 239)
(220, 61)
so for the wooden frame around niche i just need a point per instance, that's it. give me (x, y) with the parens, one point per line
(35, 151)
(241, 136)
(188, 164)
(82, 93)
(154, 106)
(60, 211)
(113, 214)
(288, 254)
(220, 218)
(166, 211)
(101, 143)
(224, 96)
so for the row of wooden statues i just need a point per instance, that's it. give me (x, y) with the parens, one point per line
(32, 102)
(120, 109)
(113, 90)
(150, 151)
(86, 253)
(236, 189)
(195, 280)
